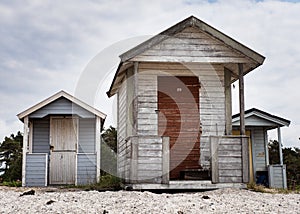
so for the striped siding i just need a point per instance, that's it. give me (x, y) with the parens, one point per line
(40, 141)
(86, 143)
(36, 169)
(86, 168)
(61, 106)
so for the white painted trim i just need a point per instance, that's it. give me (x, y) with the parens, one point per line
(280, 145)
(46, 171)
(74, 118)
(253, 154)
(55, 97)
(284, 176)
(30, 137)
(98, 148)
(276, 121)
(266, 147)
(77, 143)
(25, 144)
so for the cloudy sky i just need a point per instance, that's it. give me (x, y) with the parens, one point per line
(51, 45)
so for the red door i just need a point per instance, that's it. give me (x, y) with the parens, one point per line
(179, 118)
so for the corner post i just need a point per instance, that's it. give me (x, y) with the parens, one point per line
(165, 160)
(134, 160)
(25, 148)
(98, 148)
(228, 101)
(242, 99)
(280, 145)
(135, 97)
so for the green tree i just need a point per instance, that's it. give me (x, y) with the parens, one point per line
(109, 151)
(110, 138)
(273, 147)
(11, 158)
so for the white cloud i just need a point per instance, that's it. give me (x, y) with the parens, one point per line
(46, 45)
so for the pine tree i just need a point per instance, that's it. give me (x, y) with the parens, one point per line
(11, 158)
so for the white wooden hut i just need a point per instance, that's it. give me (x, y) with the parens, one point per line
(258, 123)
(174, 109)
(61, 143)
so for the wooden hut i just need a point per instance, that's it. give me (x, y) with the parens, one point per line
(61, 143)
(175, 109)
(258, 123)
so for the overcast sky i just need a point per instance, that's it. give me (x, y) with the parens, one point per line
(48, 46)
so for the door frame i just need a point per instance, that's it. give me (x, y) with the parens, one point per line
(76, 118)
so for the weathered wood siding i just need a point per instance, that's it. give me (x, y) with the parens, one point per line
(150, 159)
(147, 163)
(259, 153)
(212, 108)
(227, 159)
(147, 104)
(36, 169)
(61, 106)
(277, 176)
(122, 144)
(86, 138)
(191, 45)
(86, 168)
(40, 136)
(212, 99)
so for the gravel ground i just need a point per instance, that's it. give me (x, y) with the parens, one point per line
(217, 201)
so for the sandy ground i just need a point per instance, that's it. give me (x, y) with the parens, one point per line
(217, 201)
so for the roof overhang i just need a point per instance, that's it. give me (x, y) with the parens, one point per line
(272, 121)
(255, 58)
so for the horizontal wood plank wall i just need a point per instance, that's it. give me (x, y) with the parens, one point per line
(259, 149)
(150, 159)
(212, 108)
(86, 142)
(212, 99)
(61, 106)
(86, 168)
(121, 135)
(36, 169)
(227, 164)
(40, 137)
(147, 104)
(191, 45)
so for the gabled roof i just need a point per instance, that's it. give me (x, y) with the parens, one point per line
(126, 58)
(57, 96)
(256, 117)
